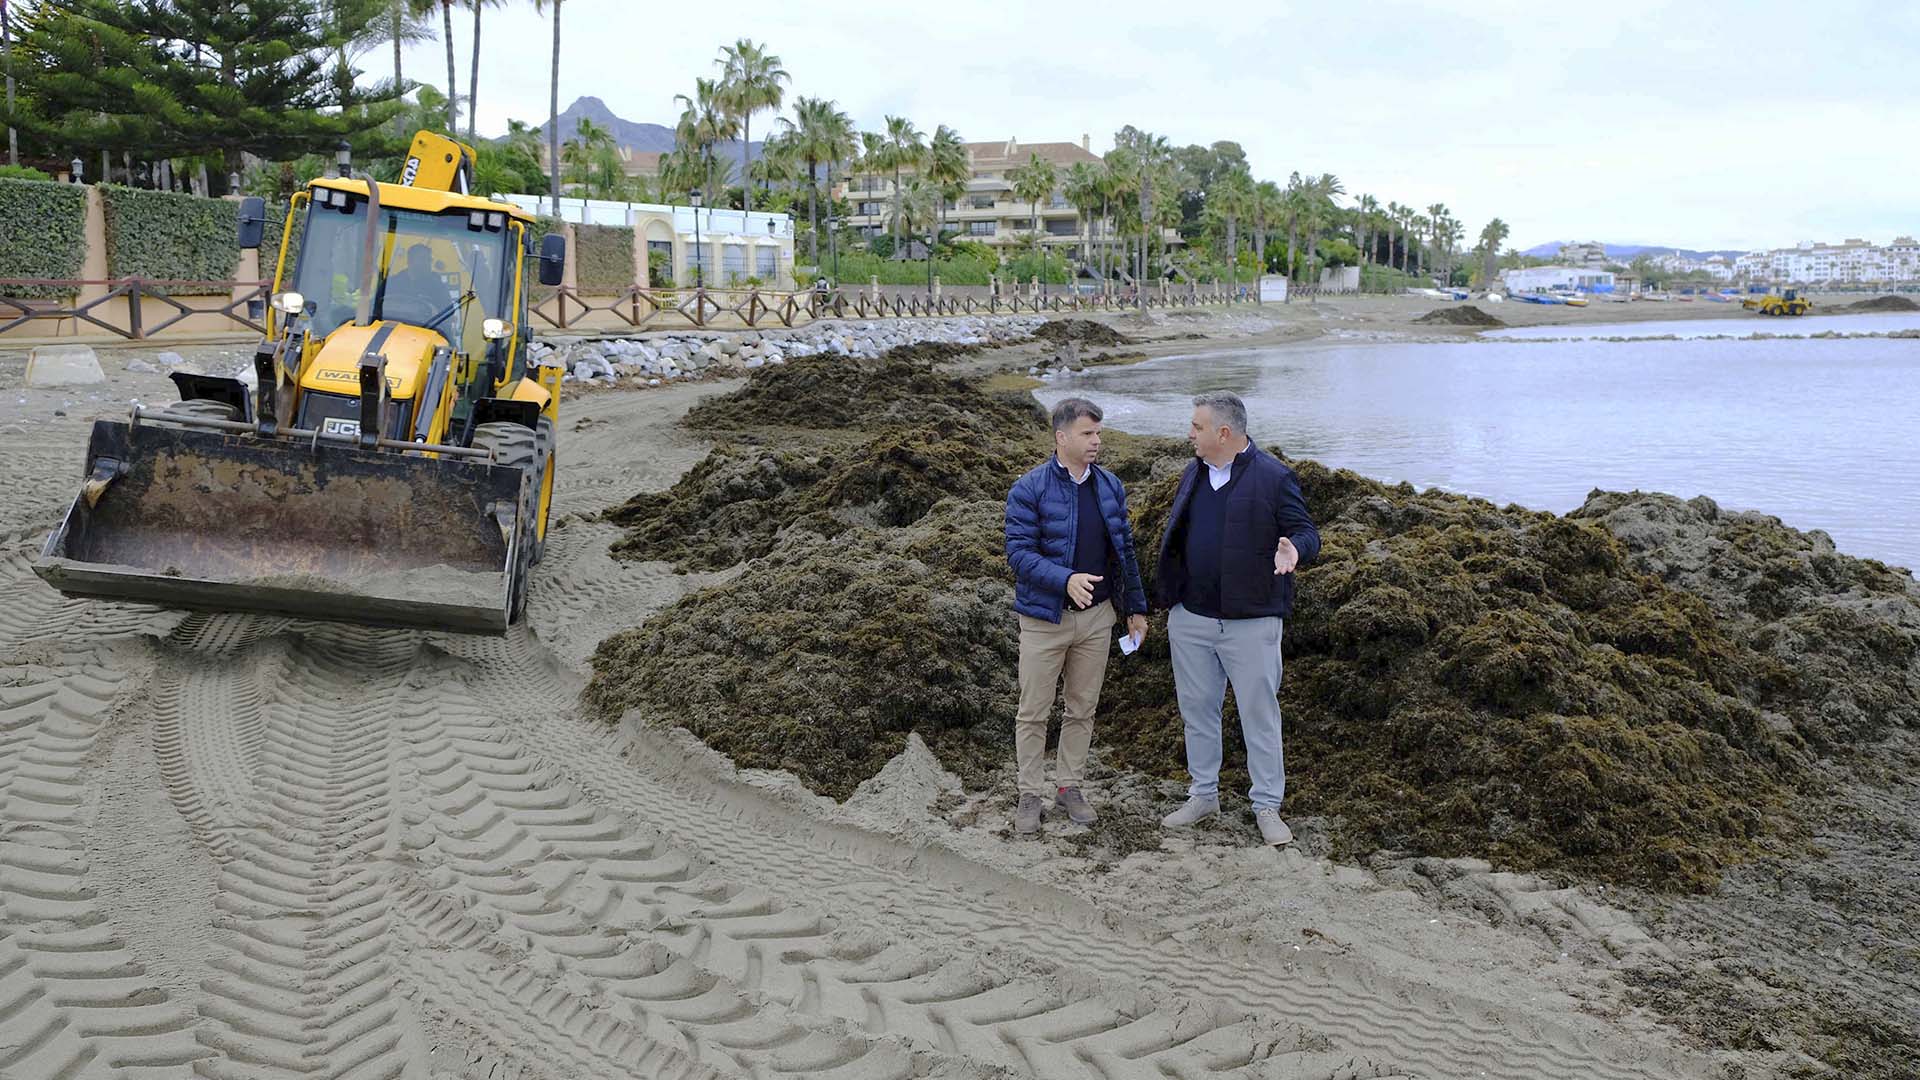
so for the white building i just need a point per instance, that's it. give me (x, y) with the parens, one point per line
(732, 245)
(1591, 254)
(1851, 262)
(1538, 278)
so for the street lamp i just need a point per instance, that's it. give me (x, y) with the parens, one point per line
(699, 257)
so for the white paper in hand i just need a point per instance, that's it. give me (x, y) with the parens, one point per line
(1128, 646)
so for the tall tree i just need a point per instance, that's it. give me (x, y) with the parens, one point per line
(705, 122)
(821, 133)
(1269, 206)
(1083, 189)
(750, 80)
(1369, 208)
(473, 74)
(1492, 235)
(905, 150)
(453, 83)
(1230, 199)
(1033, 182)
(181, 80)
(553, 109)
(948, 168)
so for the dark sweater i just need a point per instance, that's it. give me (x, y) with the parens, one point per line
(1205, 529)
(1090, 545)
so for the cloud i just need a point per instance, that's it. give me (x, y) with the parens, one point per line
(1655, 122)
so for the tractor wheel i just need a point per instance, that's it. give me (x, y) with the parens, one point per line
(516, 445)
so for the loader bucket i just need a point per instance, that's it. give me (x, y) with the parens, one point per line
(215, 521)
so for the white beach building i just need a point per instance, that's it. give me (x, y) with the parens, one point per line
(1540, 278)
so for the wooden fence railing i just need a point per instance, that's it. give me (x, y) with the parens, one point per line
(126, 308)
(648, 309)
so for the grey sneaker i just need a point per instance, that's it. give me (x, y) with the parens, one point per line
(1272, 829)
(1198, 808)
(1075, 804)
(1026, 819)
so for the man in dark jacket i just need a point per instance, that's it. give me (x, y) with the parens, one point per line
(1071, 548)
(1237, 530)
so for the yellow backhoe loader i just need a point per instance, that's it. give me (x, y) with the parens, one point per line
(1789, 302)
(392, 462)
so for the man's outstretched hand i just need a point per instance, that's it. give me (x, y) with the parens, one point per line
(1285, 557)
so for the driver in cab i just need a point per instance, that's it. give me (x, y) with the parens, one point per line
(416, 294)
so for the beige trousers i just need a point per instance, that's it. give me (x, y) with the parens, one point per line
(1074, 649)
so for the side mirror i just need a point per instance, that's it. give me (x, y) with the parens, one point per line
(553, 259)
(253, 221)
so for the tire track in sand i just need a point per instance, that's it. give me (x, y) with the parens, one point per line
(74, 1002)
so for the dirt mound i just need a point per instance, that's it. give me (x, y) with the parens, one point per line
(1588, 694)
(1463, 315)
(1883, 303)
(1084, 331)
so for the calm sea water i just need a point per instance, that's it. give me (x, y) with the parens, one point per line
(1804, 326)
(1818, 433)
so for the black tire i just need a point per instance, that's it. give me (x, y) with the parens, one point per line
(545, 441)
(516, 445)
(205, 409)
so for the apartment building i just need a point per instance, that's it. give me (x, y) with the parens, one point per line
(988, 212)
(1853, 261)
(1589, 254)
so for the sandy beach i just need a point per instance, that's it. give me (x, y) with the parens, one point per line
(244, 846)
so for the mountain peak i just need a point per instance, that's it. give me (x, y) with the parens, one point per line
(636, 137)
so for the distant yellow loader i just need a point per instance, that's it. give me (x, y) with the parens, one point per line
(1788, 303)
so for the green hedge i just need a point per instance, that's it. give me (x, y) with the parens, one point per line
(43, 234)
(604, 263)
(163, 234)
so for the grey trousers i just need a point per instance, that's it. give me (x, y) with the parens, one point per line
(1207, 655)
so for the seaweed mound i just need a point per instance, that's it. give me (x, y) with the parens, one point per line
(1632, 692)
(1463, 315)
(826, 393)
(1084, 331)
(1883, 303)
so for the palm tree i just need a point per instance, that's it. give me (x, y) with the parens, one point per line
(583, 152)
(1269, 205)
(553, 108)
(903, 150)
(947, 169)
(1084, 190)
(1420, 224)
(1369, 208)
(750, 79)
(818, 133)
(1492, 235)
(1149, 158)
(473, 75)
(453, 84)
(402, 22)
(1231, 199)
(1295, 200)
(1323, 191)
(1436, 216)
(704, 123)
(1033, 182)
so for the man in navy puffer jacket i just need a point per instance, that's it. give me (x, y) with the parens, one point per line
(1071, 548)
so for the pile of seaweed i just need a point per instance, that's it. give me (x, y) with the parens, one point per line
(1883, 303)
(1463, 315)
(1632, 692)
(1084, 331)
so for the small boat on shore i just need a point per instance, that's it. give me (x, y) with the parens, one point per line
(1535, 298)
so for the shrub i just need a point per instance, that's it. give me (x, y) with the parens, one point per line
(22, 172)
(604, 263)
(43, 234)
(162, 234)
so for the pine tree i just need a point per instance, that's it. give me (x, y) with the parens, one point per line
(178, 78)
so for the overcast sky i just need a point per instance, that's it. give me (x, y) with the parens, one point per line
(1738, 125)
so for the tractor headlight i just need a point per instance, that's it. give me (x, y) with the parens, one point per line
(290, 302)
(495, 329)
